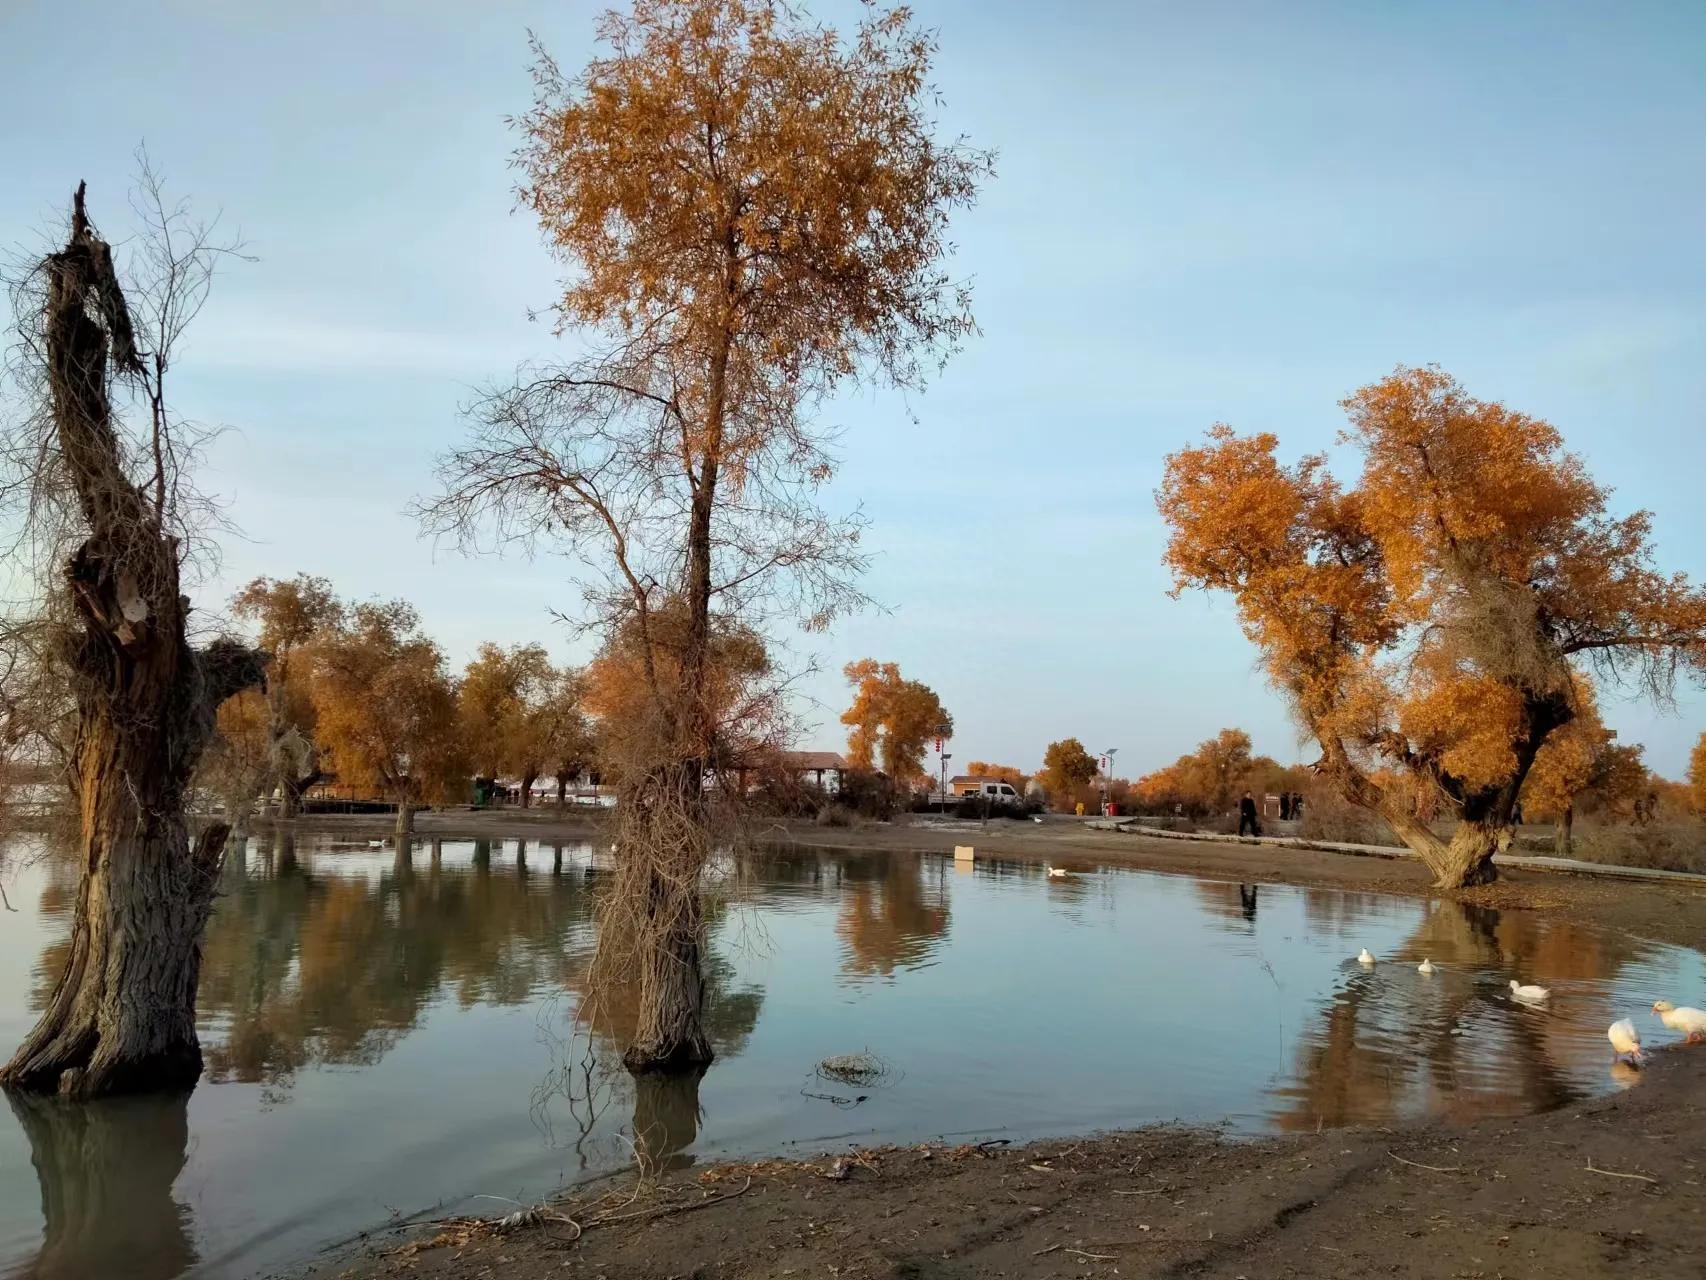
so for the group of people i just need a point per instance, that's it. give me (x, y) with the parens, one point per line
(1249, 818)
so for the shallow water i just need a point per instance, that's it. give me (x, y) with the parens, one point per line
(384, 1036)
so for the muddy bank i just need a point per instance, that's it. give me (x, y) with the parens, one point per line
(1610, 1186)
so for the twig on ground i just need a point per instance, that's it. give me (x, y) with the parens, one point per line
(1431, 1168)
(1612, 1173)
(1094, 1257)
(669, 1209)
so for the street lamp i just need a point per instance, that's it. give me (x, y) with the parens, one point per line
(1109, 753)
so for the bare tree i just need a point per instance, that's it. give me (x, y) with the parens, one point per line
(108, 502)
(753, 212)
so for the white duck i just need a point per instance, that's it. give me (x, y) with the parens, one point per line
(1056, 873)
(1626, 1040)
(375, 844)
(1365, 957)
(1426, 968)
(1530, 994)
(1692, 1022)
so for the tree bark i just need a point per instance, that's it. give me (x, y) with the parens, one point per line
(1563, 832)
(670, 1036)
(527, 782)
(405, 820)
(562, 790)
(122, 1016)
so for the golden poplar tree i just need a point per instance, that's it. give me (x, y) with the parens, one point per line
(1430, 623)
(752, 210)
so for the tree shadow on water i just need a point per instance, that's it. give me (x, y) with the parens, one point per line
(106, 1171)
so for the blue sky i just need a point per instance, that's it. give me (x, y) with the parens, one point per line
(1204, 212)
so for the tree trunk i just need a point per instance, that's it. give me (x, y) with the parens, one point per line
(527, 782)
(405, 820)
(122, 1016)
(1562, 833)
(562, 790)
(287, 801)
(670, 1036)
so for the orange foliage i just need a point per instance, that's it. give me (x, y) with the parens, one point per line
(891, 718)
(636, 685)
(386, 707)
(1430, 621)
(1211, 778)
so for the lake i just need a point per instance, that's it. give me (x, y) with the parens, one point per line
(390, 1036)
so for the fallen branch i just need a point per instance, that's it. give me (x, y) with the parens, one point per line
(1431, 1168)
(1094, 1257)
(1612, 1173)
(667, 1210)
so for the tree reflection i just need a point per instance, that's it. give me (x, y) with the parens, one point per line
(888, 919)
(666, 1119)
(1392, 1044)
(106, 1171)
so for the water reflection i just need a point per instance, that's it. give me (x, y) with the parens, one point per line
(424, 1007)
(1393, 1043)
(106, 1171)
(890, 919)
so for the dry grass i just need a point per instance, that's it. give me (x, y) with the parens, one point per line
(1676, 845)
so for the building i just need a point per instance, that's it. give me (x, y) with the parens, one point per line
(822, 769)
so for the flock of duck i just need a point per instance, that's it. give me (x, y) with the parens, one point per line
(1625, 1039)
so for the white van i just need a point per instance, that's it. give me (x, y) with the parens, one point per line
(994, 792)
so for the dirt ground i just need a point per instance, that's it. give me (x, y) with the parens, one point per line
(1611, 1186)
(1607, 1186)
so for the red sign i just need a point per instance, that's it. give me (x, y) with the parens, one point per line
(938, 746)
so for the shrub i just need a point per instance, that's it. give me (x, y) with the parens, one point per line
(1663, 846)
(835, 814)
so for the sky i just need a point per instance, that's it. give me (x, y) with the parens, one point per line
(1206, 212)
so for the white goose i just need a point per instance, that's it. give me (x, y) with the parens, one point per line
(1056, 873)
(1365, 957)
(1692, 1022)
(1530, 994)
(1626, 1040)
(1426, 968)
(375, 844)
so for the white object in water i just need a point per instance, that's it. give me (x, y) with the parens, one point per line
(1426, 967)
(375, 844)
(1056, 872)
(963, 853)
(1691, 1022)
(1626, 1040)
(1531, 993)
(1364, 957)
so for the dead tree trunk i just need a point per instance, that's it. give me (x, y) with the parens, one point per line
(122, 1017)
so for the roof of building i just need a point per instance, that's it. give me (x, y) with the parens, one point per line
(814, 760)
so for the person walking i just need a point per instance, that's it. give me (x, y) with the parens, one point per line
(1247, 815)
